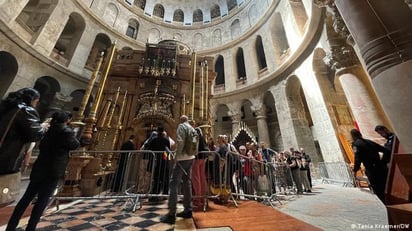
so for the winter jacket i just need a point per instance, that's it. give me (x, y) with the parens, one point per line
(25, 128)
(54, 153)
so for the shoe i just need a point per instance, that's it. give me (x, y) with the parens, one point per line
(184, 214)
(169, 219)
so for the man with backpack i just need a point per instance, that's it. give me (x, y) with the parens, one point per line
(186, 150)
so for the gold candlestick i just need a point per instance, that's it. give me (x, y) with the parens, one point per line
(193, 84)
(113, 108)
(89, 89)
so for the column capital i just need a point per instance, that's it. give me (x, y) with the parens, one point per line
(323, 3)
(235, 115)
(260, 111)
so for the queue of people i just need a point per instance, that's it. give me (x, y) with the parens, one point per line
(243, 170)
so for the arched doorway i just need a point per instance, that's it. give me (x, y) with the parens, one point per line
(8, 70)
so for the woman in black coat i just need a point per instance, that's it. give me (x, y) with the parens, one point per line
(48, 169)
(19, 125)
(367, 152)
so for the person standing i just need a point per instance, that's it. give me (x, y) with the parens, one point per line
(199, 171)
(48, 169)
(182, 171)
(308, 160)
(367, 152)
(19, 126)
(390, 139)
(129, 146)
(159, 145)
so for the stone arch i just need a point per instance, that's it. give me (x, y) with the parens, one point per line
(159, 11)
(111, 13)
(231, 4)
(177, 36)
(68, 39)
(217, 37)
(220, 70)
(240, 64)
(132, 28)
(275, 134)
(260, 53)
(215, 11)
(76, 101)
(198, 41)
(102, 43)
(299, 13)
(140, 4)
(197, 16)
(154, 36)
(178, 16)
(235, 29)
(47, 87)
(280, 41)
(223, 122)
(248, 116)
(8, 70)
(35, 15)
(252, 14)
(301, 117)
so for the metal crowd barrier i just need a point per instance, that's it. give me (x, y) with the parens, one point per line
(336, 172)
(142, 175)
(123, 175)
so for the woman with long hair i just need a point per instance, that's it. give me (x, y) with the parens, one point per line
(48, 169)
(19, 125)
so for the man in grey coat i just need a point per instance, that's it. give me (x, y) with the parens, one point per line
(182, 170)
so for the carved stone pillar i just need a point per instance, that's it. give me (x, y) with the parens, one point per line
(236, 118)
(262, 125)
(362, 100)
(383, 36)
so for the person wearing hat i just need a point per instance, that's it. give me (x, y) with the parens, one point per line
(48, 169)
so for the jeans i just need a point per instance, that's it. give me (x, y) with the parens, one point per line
(43, 190)
(182, 170)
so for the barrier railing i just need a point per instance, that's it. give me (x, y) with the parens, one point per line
(336, 172)
(137, 176)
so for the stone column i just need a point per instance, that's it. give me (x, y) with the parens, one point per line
(236, 118)
(262, 125)
(342, 58)
(383, 35)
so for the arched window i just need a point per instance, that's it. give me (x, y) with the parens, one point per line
(101, 43)
(198, 16)
(132, 28)
(178, 16)
(215, 11)
(220, 70)
(140, 3)
(240, 64)
(159, 11)
(231, 4)
(69, 38)
(235, 29)
(260, 53)
(35, 15)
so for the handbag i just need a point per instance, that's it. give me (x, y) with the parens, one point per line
(9, 188)
(8, 127)
(9, 183)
